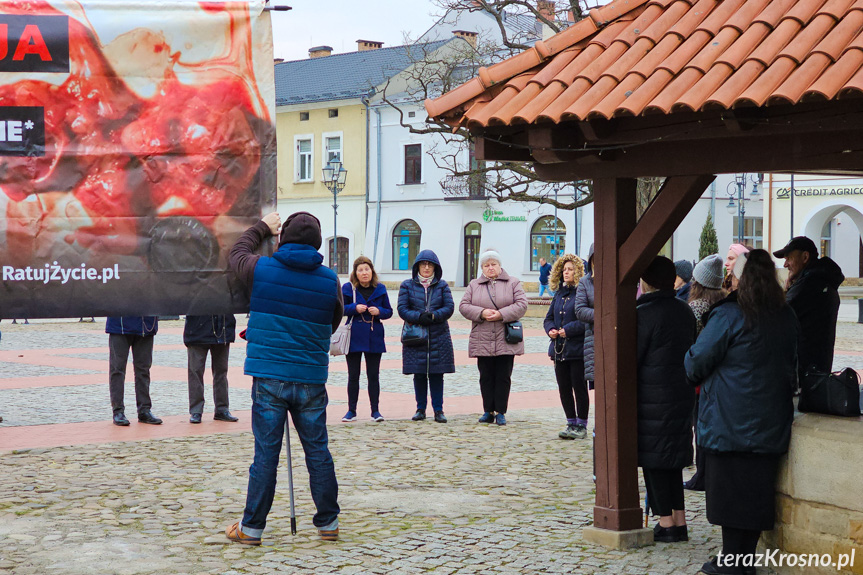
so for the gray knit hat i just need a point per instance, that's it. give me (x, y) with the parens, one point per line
(684, 269)
(709, 272)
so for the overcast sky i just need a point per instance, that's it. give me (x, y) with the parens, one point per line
(340, 23)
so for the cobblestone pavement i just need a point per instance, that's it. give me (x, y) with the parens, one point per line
(415, 497)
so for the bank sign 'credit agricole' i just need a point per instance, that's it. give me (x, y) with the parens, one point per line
(785, 193)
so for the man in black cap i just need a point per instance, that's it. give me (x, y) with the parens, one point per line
(812, 292)
(296, 305)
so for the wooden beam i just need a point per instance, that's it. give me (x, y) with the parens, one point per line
(496, 148)
(616, 447)
(673, 201)
(797, 153)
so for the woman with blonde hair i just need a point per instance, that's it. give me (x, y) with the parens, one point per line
(566, 348)
(366, 304)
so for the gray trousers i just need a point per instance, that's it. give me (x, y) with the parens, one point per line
(197, 365)
(142, 358)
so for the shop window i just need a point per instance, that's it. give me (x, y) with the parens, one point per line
(545, 243)
(406, 244)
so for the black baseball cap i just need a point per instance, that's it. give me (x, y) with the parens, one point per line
(801, 243)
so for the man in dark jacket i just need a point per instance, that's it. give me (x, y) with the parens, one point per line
(135, 333)
(812, 292)
(665, 331)
(544, 270)
(211, 334)
(296, 305)
(683, 281)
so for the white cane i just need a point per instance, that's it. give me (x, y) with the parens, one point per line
(290, 474)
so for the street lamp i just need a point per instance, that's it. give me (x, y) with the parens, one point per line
(334, 179)
(738, 186)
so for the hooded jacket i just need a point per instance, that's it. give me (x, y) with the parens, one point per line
(747, 377)
(584, 307)
(488, 338)
(437, 356)
(367, 331)
(814, 297)
(296, 305)
(665, 331)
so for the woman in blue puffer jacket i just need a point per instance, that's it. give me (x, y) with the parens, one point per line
(426, 300)
(566, 348)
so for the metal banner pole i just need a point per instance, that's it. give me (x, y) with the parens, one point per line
(290, 474)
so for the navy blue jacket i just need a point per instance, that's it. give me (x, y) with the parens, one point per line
(665, 399)
(561, 314)
(133, 325)
(746, 377)
(209, 329)
(367, 333)
(544, 270)
(437, 356)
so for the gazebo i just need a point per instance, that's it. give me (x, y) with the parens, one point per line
(680, 89)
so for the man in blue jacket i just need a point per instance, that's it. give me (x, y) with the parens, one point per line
(544, 270)
(135, 333)
(296, 305)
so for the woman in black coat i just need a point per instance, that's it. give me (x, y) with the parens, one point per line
(426, 300)
(566, 348)
(745, 361)
(666, 330)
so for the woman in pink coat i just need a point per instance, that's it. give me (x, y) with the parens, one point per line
(490, 301)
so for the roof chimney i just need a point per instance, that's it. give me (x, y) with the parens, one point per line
(470, 37)
(278, 60)
(546, 8)
(320, 51)
(365, 45)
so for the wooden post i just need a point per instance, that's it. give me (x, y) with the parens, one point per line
(616, 448)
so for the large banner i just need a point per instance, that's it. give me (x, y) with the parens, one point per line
(137, 142)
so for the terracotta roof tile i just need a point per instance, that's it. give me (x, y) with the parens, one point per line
(635, 57)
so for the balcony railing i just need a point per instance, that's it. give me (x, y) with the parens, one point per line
(470, 187)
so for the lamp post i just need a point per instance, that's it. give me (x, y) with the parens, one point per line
(334, 179)
(738, 186)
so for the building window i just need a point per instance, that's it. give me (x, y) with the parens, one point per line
(333, 149)
(406, 244)
(412, 114)
(544, 243)
(413, 163)
(752, 231)
(343, 256)
(334, 112)
(304, 160)
(304, 116)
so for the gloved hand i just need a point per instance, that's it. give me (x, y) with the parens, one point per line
(426, 318)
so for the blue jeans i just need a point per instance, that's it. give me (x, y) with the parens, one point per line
(272, 400)
(423, 384)
(543, 288)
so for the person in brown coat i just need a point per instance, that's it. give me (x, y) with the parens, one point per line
(490, 301)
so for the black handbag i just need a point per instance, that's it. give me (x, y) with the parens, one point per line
(415, 335)
(831, 393)
(512, 330)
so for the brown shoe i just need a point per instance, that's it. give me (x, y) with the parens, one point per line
(329, 534)
(234, 534)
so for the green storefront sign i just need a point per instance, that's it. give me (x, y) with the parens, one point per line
(491, 215)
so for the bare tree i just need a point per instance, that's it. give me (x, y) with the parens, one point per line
(435, 70)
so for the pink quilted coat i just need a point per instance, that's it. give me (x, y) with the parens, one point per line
(487, 337)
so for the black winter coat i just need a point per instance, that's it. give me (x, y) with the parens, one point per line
(666, 330)
(814, 297)
(437, 356)
(561, 314)
(209, 329)
(747, 377)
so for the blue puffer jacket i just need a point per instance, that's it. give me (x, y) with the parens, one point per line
(367, 333)
(209, 329)
(747, 378)
(437, 356)
(293, 301)
(132, 325)
(561, 314)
